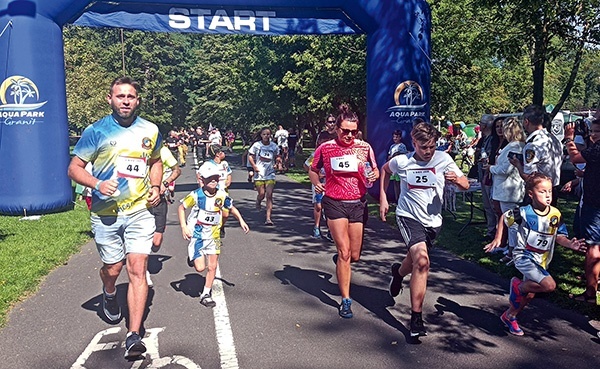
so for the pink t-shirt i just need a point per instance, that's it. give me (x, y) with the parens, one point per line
(344, 168)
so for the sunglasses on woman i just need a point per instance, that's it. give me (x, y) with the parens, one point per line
(346, 131)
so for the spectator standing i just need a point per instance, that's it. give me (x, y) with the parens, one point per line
(590, 206)
(423, 174)
(483, 156)
(542, 152)
(126, 174)
(344, 202)
(508, 188)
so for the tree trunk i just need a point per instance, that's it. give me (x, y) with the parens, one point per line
(539, 65)
(574, 71)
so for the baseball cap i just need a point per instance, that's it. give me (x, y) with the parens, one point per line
(208, 170)
(214, 149)
(487, 119)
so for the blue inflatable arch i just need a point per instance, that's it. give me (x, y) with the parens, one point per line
(34, 145)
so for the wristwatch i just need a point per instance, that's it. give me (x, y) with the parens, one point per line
(166, 183)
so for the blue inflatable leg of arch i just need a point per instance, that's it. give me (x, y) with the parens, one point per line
(33, 116)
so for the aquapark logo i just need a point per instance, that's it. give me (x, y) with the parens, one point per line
(408, 97)
(19, 98)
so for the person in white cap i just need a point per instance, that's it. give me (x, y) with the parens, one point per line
(210, 205)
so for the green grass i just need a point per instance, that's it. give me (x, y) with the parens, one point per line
(30, 249)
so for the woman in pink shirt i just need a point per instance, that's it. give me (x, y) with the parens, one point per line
(350, 169)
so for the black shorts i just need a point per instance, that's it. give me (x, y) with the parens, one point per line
(160, 215)
(413, 232)
(355, 211)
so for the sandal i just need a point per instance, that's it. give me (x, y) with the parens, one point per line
(582, 297)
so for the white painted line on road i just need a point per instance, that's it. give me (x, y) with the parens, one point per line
(223, 326)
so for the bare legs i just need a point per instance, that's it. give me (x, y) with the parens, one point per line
(348, 239)
(137, 292)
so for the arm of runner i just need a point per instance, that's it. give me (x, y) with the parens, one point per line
(235, 212)
(383, 185)
(156, 171)
(183, 223)
(78, 174)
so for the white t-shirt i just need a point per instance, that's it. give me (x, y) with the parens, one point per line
(281, 136)
(264, 158)
(422, 186)
(215, 138)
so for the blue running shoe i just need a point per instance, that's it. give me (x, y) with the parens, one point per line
(515, 296)
(316, 232)
(345, 310)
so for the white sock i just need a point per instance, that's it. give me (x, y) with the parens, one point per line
(206, 291)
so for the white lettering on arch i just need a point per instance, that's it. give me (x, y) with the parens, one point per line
(182, 18)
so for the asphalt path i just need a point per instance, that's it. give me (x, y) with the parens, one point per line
(277, 306)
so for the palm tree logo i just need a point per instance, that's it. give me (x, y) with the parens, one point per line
(15, 91)
(407, 93)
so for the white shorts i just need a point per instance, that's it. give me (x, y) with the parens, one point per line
(117, 236)
(199, 247)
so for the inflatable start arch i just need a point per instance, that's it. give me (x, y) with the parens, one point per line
(34, 146)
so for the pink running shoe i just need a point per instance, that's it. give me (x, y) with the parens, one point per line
(511, 323)
(515, 296)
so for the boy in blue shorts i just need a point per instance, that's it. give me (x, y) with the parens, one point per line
(210, 206)
(540, 226)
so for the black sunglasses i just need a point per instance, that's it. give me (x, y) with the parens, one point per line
(331, 121)
(345, 131)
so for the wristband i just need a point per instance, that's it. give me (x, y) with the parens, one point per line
(97, 186)
(157, 186)
(166, 183)
(567, 140)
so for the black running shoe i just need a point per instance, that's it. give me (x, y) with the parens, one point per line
(110, 307)
(207, 301)
(334, 258)
(134, 346)
(396, 282)
(417, 328)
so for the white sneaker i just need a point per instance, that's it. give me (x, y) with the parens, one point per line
(148, 279)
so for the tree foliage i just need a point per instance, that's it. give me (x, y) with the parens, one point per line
(487, 56)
